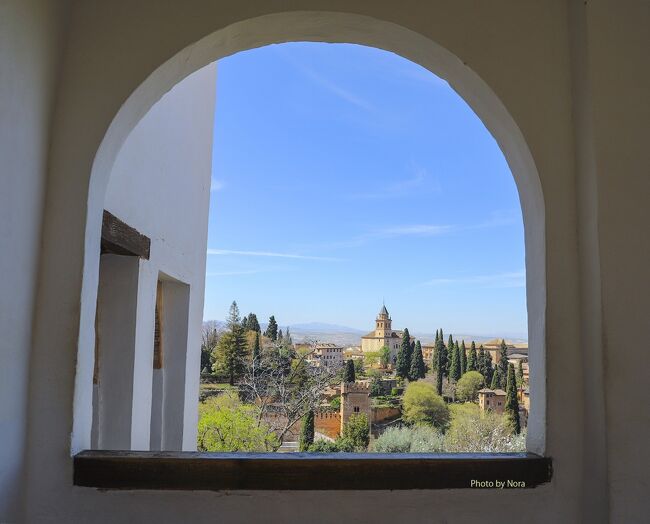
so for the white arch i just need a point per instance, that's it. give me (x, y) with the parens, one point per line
(333, 28)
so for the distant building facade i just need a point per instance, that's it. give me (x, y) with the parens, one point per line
(492, 400)
(383, 335)
(327, 354)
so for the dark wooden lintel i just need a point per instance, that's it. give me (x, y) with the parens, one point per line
(121, 239)
(131, 470)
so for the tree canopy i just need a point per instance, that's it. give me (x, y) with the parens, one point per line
(422, 405)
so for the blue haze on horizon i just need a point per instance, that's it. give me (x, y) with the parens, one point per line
(344, 176)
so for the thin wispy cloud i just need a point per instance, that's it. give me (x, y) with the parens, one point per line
(498, 280)
(421, 230)
(236, 272)
(273, 254)
(419, 181)
(329, 85)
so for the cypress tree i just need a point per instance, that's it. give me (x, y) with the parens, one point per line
(287, 337)
(489, 369)
(472, 363)
(257, 352)
(503, 364)
(449, 354)
(244, 324)
(252, 323)
(463, 358)
(455, 369)
(417, 370)
(348, 374)
(495, 380)
(520, 374)
(512, 404)
(480, 363)
(307, 431)
(403, 356)
(280, 336)
(272, 329)
(439, 368)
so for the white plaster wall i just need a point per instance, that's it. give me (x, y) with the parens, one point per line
(29, 50)
(160, 185)
(592, 169)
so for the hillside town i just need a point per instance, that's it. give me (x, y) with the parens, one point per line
(261, 391)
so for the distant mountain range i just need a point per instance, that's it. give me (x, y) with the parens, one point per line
(349, 336)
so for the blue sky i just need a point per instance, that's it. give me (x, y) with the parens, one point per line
(345, 175)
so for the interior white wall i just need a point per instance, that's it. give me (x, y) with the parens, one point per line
(160, 185)
(29, 51)
(117, 303)
(523, 51)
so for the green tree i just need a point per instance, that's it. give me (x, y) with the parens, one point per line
(495, 382)
(209, 340)
(463, 358)
(272, 329)
(307, 431)
(230, 353)
(348, 373)
(520, 373)
(469, 385)
(234, 318)
(376, 386)
(455, 369)
(440, 364)
(252, 324)
(472, 358)
(359, 369)
(403, 356)
(422, 405)
(225, 424)
(512, 404)
(323, 446)
(480, 363)
(280, 336)
(417, 370)
(244, 323)
(287, 337)
(503, 364)
(384, 356)
(356, 434)
(449, 354)
(474, 431)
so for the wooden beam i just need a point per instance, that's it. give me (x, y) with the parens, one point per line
(121, 239)
(132, 470)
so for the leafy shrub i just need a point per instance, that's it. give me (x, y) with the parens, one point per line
(419, 439)
(393, 440)
(469, 385)
(323, 446)
(356, 434)
(473, 431)
(225, 424)
(422, 405)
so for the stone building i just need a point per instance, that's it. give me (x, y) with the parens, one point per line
(492, 399)
(383, 335)
(355, 399)
(327, 354)
(563, 86)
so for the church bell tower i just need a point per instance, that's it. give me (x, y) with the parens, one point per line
(383, 323)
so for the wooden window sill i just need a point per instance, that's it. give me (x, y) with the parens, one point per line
(132, 470)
